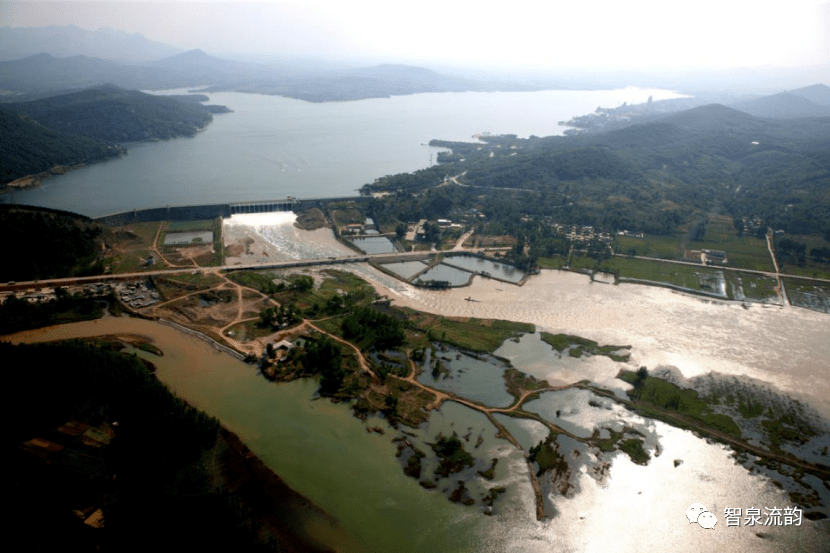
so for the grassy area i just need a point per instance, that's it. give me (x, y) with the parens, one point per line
(809, 268)
(578, 346)
(146, 231)
(556, 262)
(468, 333)
(148, 347)
(132, 261)
(345, 216)
(664, 247)
(189, 226)
(248, 330)
(175, 286)
(693, 277)
(547, 457)
(412, 402)
(132, 246)
(518, 382)
(786, 428)
(452, 457)
(262, 281)
(744, 252)
(634, 448)
(656, 392)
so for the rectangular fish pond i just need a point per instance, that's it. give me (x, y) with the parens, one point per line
(487, 267)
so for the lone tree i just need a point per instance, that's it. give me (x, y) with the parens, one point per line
(640, 380)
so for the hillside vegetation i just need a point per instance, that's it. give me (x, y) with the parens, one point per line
(84, 126)
(42, 243)
(656, 177)
(117, 115)
(27, 147)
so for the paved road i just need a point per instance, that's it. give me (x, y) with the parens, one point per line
(394, 256)
(736, 269)
(74, 281)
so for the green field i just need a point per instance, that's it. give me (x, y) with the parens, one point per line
(188, 226)
(484, 335)
(663, 247)
(694, 277)
(744, 252)
(578, 346)
(809, 268)
(556, 262)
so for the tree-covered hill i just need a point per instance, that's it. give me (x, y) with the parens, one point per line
(27, 147)
(115, 114)
(42, 243)
(653, 176)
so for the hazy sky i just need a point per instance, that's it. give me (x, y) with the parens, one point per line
(607, 34)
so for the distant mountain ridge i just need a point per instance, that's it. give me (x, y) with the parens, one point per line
(67, 41)
(811, 101)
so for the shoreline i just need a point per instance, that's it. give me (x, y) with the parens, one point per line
(269, 489)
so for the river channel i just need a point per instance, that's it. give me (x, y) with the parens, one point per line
(326, 454)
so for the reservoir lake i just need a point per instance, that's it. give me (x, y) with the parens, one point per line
(271, 147)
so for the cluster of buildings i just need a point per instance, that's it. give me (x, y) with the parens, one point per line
(47, 294)
(137, 294)
(581, 233)
(751, 225)
(366, 227)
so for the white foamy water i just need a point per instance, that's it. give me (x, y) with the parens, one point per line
(273, 237)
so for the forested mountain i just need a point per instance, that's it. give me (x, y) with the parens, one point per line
(114, 114)
(654, 176)
(27, 147)
(46, 243)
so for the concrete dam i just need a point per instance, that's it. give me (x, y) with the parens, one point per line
(210, 211)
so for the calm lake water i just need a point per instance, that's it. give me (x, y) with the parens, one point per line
(272, 147)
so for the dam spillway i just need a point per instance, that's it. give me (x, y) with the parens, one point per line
(263, 206)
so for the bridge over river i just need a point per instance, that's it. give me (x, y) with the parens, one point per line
(75, 281)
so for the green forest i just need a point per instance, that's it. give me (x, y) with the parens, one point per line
(89, 125)
(150, 479)
(43, 243)
(28, 148)
(656, 177)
